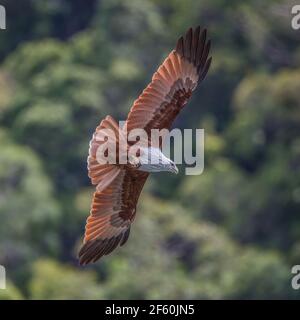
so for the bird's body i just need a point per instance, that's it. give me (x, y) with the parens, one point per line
(118, 185)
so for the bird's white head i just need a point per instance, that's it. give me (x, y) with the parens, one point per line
(153, 160)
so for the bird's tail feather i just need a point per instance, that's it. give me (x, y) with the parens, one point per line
(104, 153)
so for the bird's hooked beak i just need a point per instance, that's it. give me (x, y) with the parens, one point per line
(174, 168)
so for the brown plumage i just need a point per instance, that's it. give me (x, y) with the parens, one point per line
(118, 187)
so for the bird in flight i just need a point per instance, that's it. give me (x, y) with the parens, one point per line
(118, 186)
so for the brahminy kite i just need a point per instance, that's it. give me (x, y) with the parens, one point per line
(118, 186)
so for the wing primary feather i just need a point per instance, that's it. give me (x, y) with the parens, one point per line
(112, 244)
(188, 43)
(200, 47)
(90, 254)
(204, 56)
(100, 252)
(179, 46)
(86, 252)
(125, 237)
(195, 44)
(205, 69)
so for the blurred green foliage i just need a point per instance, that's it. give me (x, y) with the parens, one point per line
(232, 232)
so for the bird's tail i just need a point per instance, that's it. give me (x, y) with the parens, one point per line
(106, 152)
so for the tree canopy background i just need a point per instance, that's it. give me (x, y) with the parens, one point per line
(232, 232)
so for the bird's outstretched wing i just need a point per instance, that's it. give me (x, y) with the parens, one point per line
(111, 215)
(172, 84)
